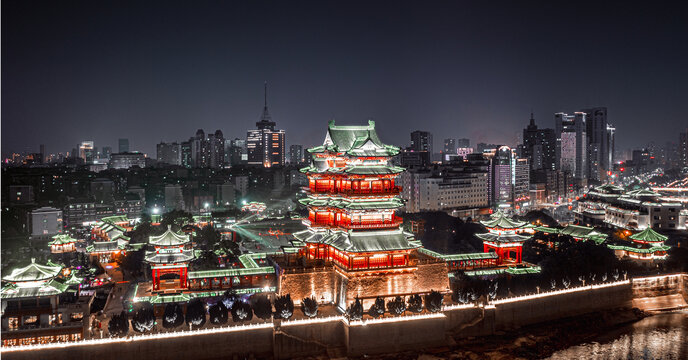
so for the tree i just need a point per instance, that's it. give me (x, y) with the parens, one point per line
(131, 262)
(195, 313)
(677, 259)
(433, 301)
(119, 324)
(241, 311)
(177, 218)
(378, 308)
(284, 307)
(143, 319)
(173, 316)
(262, 307)
(218, 313)
(309, 307)
(208, 237)
(415, 303)
(396, 306)
(229, 298)
(355, 311)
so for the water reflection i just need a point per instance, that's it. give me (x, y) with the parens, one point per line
(663, 336)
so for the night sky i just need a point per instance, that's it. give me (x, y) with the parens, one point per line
(152, 71)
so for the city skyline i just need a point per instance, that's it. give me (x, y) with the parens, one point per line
(120, 74)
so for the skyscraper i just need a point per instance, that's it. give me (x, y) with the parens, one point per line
(296, 154)
(185, 154)
(450, 146)
(421, 141)
(572, 149)
(123, 145)
(169, 153)
(265, 145)
(539, 146)
(216, 150)
(107, 150)
(508, 177)
(463, 143)
(600, 139)
(86, 151)
(199, 149)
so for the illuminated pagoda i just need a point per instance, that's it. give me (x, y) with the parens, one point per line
(171, 255)
(352, 198)
(504, 237)
(62, 243)
(647, 245)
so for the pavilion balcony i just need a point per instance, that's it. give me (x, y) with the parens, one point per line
(382, 225)
(394, 190)
(366, 226)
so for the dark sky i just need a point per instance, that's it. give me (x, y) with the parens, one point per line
(152, 71)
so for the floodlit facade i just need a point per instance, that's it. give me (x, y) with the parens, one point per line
(352, 223)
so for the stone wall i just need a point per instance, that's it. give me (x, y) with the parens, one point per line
(363, 284)
(658, 285)
(316, 282)
(427, 277)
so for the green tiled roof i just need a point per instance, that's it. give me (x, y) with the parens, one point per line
(460, 257)
(500, 220)
(169, 238)
(33, 272)
(547, 230)
(356, 170)
(169, 258)
(62, 239)
(503, 238)
(359, 241)
(523, 270)
(608, 187)
(353, 204)
(352, 138)
(640, 250)
(649, 235)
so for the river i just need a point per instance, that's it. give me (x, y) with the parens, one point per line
(662, 336)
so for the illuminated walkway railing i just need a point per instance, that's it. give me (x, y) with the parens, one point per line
(559, 292)
(142, 337)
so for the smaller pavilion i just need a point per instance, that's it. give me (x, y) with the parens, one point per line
(646, 245)
(62, 243)
(504, 238)
(170, 258)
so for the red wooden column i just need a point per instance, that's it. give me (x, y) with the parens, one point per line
(156, 279)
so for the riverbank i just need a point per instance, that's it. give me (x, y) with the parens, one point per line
(529, 342)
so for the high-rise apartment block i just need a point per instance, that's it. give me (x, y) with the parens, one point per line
(265, 146)
(572, 149)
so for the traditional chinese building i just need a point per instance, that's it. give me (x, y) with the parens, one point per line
(352, 225)
(504, 237)
(169, 260)
(577, 232)
(62, 243)
(646, 245)
(41, 304)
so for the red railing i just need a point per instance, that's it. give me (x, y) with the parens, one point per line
(382, 225)
(395, 190)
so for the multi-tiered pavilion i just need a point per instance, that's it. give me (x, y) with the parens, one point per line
(352, 199)
(171, 254)
(505, 237)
